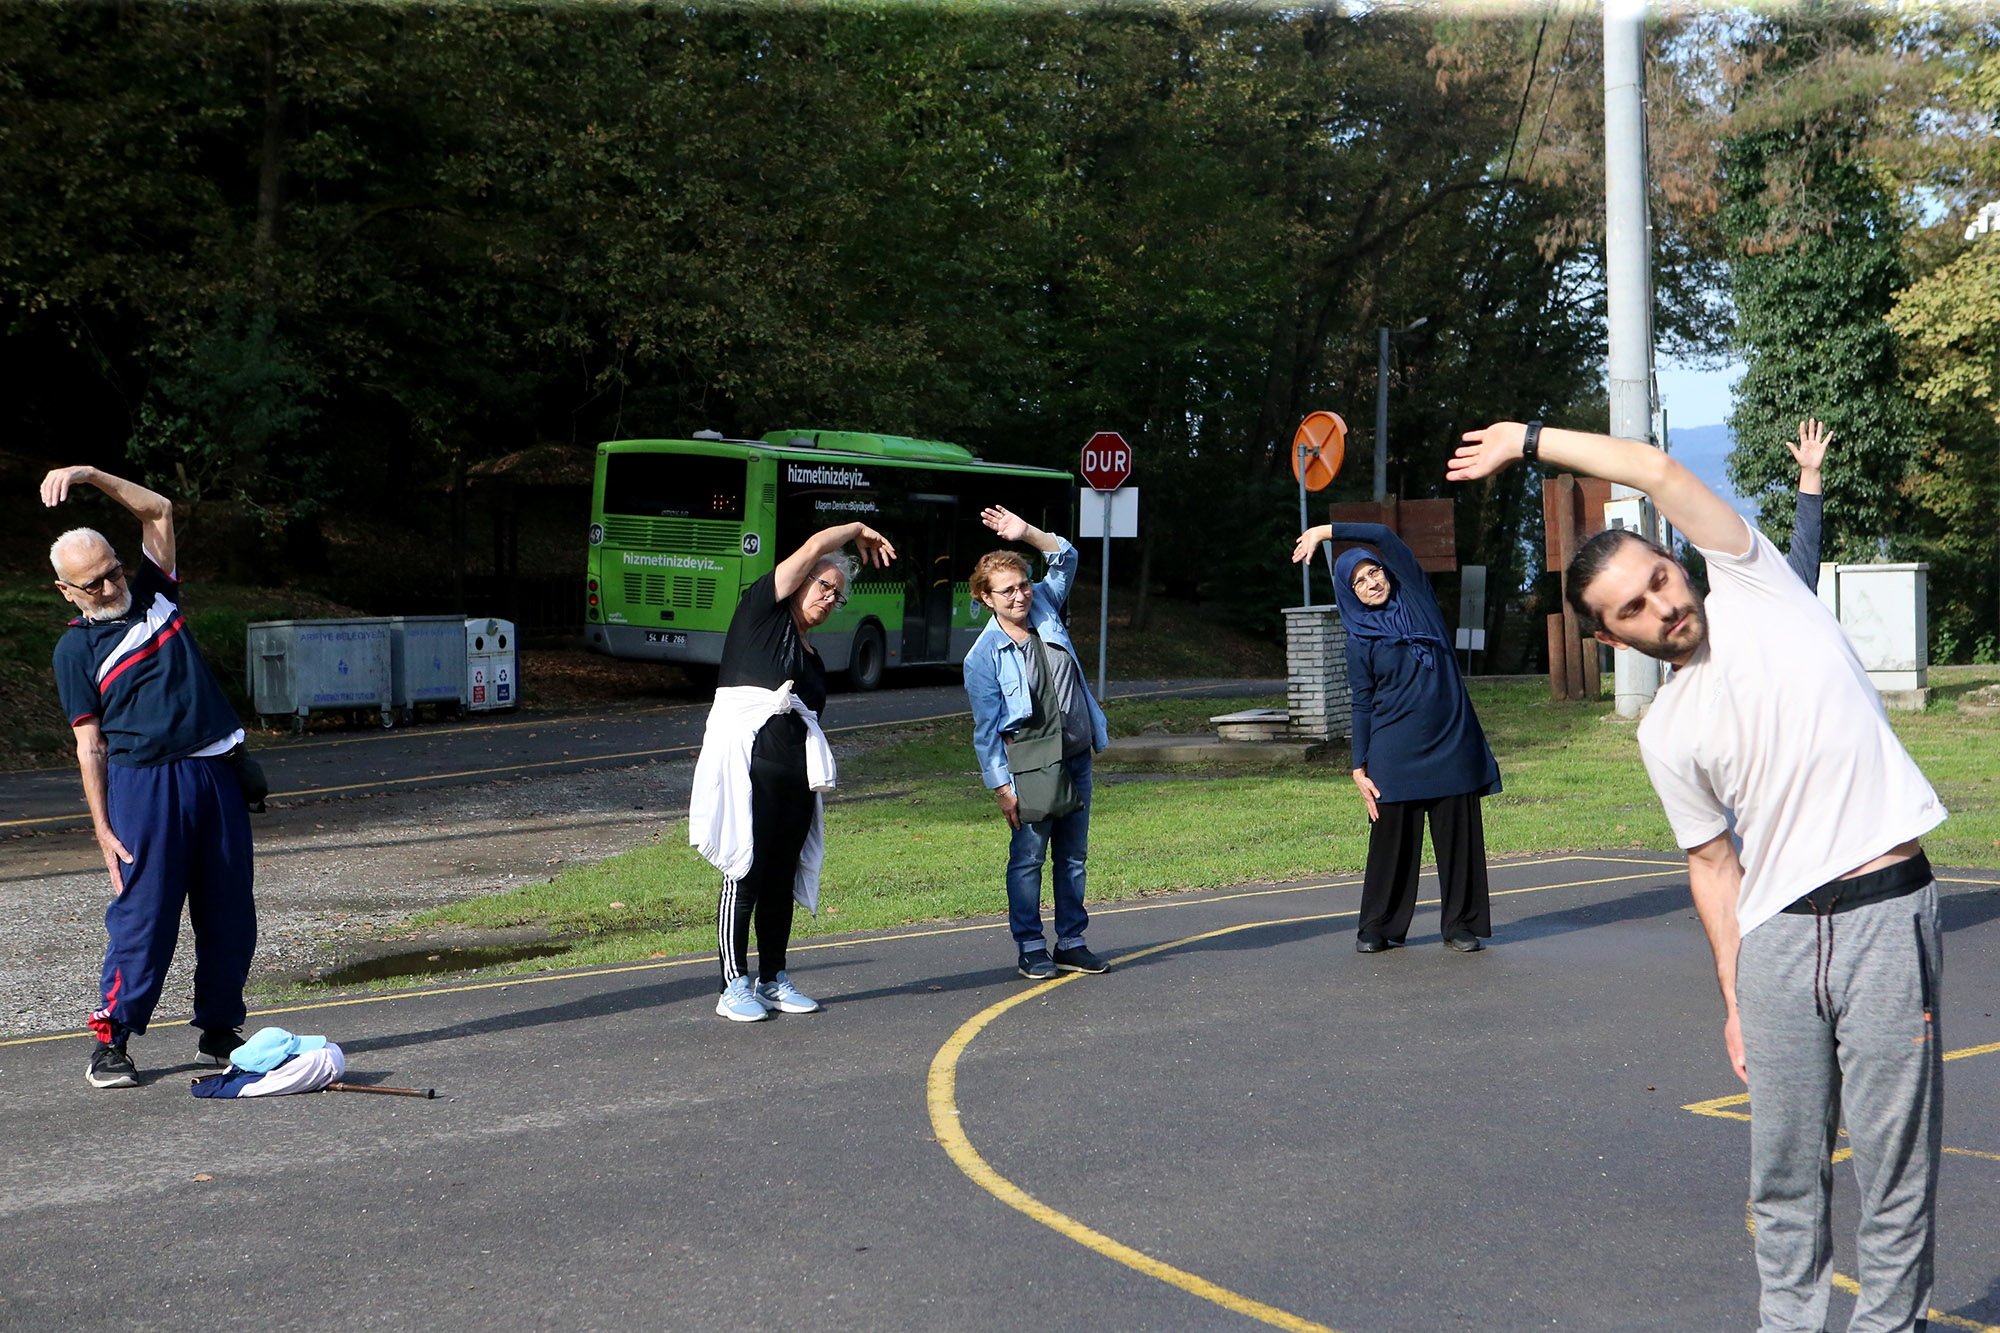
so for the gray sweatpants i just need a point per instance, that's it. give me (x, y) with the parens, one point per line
(1877, 1053)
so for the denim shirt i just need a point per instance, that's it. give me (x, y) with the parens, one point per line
(1001, 699)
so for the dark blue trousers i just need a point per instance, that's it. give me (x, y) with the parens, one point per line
(188, 830)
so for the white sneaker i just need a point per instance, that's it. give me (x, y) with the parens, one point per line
(786, 998)
(739, 1003)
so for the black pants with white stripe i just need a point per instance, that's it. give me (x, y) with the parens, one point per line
(781, 813)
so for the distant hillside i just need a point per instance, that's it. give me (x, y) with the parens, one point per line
(1705, 451)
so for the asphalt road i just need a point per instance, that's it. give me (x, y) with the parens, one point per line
(512, 745)
(1244, 1123)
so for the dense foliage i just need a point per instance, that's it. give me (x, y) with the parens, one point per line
(1950, 322)
(1856, 143)
(1810, 309)
(297, 261)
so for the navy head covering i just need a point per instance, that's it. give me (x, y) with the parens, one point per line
(1390, 621)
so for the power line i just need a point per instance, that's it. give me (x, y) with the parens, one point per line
(1521, 116)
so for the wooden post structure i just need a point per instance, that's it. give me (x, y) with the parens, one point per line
(1572, 512)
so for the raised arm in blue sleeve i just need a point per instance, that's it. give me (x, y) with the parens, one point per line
(1807, 520)
(1062, 563)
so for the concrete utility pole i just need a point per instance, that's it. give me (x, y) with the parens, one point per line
(1628, 273)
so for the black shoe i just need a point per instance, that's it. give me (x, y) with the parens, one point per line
(1464, 943)
(1374, 944)
(1080, 959)
(217, 1045)
(110, 1067)
(1036, 965)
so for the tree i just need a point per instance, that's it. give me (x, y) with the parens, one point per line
(1817, 259)
(327, 257)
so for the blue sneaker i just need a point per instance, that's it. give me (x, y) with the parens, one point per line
(739, 1003)
(782, 995)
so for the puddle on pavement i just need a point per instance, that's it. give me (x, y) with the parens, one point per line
(430, 962)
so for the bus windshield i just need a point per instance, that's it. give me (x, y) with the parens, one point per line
(674, 486)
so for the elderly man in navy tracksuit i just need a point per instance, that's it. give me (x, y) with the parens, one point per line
(1025, 656)
(154, 735)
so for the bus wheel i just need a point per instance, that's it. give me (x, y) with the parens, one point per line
(864, 667)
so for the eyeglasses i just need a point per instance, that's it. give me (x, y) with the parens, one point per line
(839, 597)
(1018, 590)
(115, 574)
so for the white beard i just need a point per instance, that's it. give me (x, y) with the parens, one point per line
(117, 610)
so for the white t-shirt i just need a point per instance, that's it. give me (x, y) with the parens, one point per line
(1775, 720)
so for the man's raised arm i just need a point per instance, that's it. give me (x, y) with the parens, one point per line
(1700, 514)
(153, 510)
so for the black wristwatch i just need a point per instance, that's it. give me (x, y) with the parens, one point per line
(1531, 443)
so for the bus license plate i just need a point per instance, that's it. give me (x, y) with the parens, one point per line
(664, 636)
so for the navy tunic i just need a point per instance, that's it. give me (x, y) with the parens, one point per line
(1414, 728)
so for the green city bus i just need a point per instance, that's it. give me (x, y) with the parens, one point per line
(679, 528)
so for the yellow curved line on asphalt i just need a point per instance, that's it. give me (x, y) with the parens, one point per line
(941, 1092)
(942, 1095)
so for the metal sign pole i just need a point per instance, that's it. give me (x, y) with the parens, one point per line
(1104, 598)
(1306, 565)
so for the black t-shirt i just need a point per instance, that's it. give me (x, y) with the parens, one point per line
(764, 648)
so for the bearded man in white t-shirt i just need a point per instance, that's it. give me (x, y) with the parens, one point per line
(1824, 927)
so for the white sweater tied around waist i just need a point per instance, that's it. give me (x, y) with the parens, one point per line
(719, 811)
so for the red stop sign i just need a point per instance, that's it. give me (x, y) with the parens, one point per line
(1107, 461)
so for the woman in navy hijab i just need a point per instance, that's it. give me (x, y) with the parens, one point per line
(1418, 749)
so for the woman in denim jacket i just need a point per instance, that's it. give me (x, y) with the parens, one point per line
(1001, 675)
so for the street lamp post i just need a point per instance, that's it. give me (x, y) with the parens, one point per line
(1382, 405)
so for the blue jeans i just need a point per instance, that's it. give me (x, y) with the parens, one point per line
(1071, 836)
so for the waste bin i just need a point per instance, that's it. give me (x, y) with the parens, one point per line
(427, 663)
(299, 667)
(491, 665)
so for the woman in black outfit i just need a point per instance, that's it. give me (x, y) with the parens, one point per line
(768, 646)
(1418, 749)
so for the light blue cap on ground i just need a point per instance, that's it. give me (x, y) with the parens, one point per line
(267, 1048)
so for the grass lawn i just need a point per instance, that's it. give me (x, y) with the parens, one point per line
(914, 836)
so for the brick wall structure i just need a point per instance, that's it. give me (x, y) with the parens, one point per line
(1316, 662)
